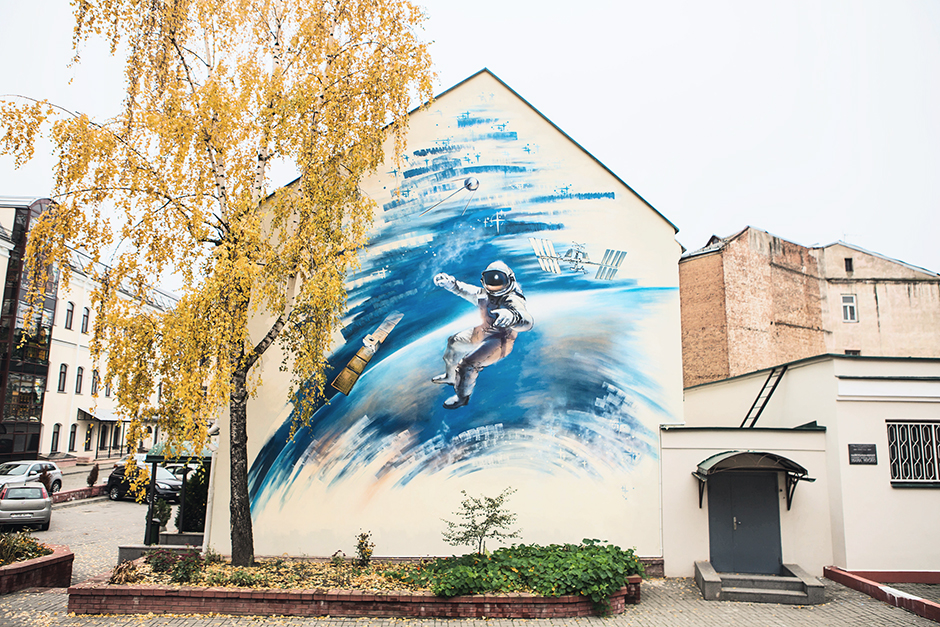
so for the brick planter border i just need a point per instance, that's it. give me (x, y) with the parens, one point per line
(884, 593)
(79, 493)
(49, 571)
(97, 597)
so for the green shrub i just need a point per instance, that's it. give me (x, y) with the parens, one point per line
(187, 567)
(161, 560)
(364, 548)
(592, 569)
(161, 511)
(244, 577)
(212, 556)
(191, 514)
(20, 546)
(92, 477)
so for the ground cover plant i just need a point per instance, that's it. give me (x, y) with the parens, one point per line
(592, 569)
(19, 546)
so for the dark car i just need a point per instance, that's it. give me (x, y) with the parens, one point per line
(167, 486)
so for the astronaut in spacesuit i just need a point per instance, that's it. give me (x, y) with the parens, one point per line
(504, 315)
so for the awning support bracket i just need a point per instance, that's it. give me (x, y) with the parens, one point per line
(792, 480)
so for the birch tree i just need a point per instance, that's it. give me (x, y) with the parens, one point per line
(216, 90)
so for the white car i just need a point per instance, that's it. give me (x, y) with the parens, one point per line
(23, 471)
(25, 504)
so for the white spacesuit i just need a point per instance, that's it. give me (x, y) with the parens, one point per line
(503, 310)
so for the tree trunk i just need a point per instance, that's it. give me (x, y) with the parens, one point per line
(243, 544)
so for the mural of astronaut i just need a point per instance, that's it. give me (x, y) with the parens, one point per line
(503, 310)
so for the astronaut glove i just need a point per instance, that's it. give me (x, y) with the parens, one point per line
(504, 318)
(445, 280)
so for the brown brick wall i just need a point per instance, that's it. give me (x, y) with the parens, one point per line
(772, 310)
(94, 598)
(49, 571)
(704, 326)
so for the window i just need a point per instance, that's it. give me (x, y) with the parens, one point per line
(850, 351)
(79, 375)
(849, 266)
(72, 437)
(88, 434)
(107, 389)
(914, 451)
(94, 381)
(849, 309)
(85, 315)
(63, 373)
(54, 447)
(69, 313)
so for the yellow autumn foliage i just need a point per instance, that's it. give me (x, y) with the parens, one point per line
(177, 184)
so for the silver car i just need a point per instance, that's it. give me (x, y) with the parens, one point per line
(25, 504)
(21, 472)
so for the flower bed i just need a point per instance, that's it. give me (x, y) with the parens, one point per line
(96, 597)
(49, 571)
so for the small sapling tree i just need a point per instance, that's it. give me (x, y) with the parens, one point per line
(481, 518)
(92, 477)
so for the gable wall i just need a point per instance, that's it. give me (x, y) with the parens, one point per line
(569, 417)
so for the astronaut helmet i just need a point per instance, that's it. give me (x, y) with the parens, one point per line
(498, 279)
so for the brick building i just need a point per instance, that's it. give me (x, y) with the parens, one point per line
(754, 300)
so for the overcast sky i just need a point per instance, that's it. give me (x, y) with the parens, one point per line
(816, 120)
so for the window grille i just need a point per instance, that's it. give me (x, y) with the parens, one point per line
(914, 449)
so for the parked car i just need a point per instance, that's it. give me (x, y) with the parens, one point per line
(24, 471)
(167, 486)
(25, 504)
(179, 470)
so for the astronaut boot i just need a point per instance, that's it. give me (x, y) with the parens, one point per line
(443, 379)
(456, 401)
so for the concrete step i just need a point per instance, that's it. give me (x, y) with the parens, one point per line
(767, 582)
(764, 595)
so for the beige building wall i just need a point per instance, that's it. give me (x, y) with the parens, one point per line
(898, 306)
(804, 528)
(70, 347)
(307, 508)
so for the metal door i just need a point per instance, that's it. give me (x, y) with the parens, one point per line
(744, 522)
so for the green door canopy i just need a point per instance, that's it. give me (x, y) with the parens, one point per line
(751, 461)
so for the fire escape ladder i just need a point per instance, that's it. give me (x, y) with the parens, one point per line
(765, 393)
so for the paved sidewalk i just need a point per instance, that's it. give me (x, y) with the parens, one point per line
(666, 602)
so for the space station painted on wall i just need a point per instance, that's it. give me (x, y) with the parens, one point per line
(502, 330)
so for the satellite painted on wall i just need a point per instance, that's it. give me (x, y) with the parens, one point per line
(348, 376)
(577, 258)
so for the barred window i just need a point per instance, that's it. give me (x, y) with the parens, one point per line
(914, 451)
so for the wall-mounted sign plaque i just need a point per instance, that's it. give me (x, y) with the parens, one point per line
(863, 454)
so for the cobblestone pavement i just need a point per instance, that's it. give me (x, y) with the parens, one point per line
(926, 591)
(93, 529)
(666, 602)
